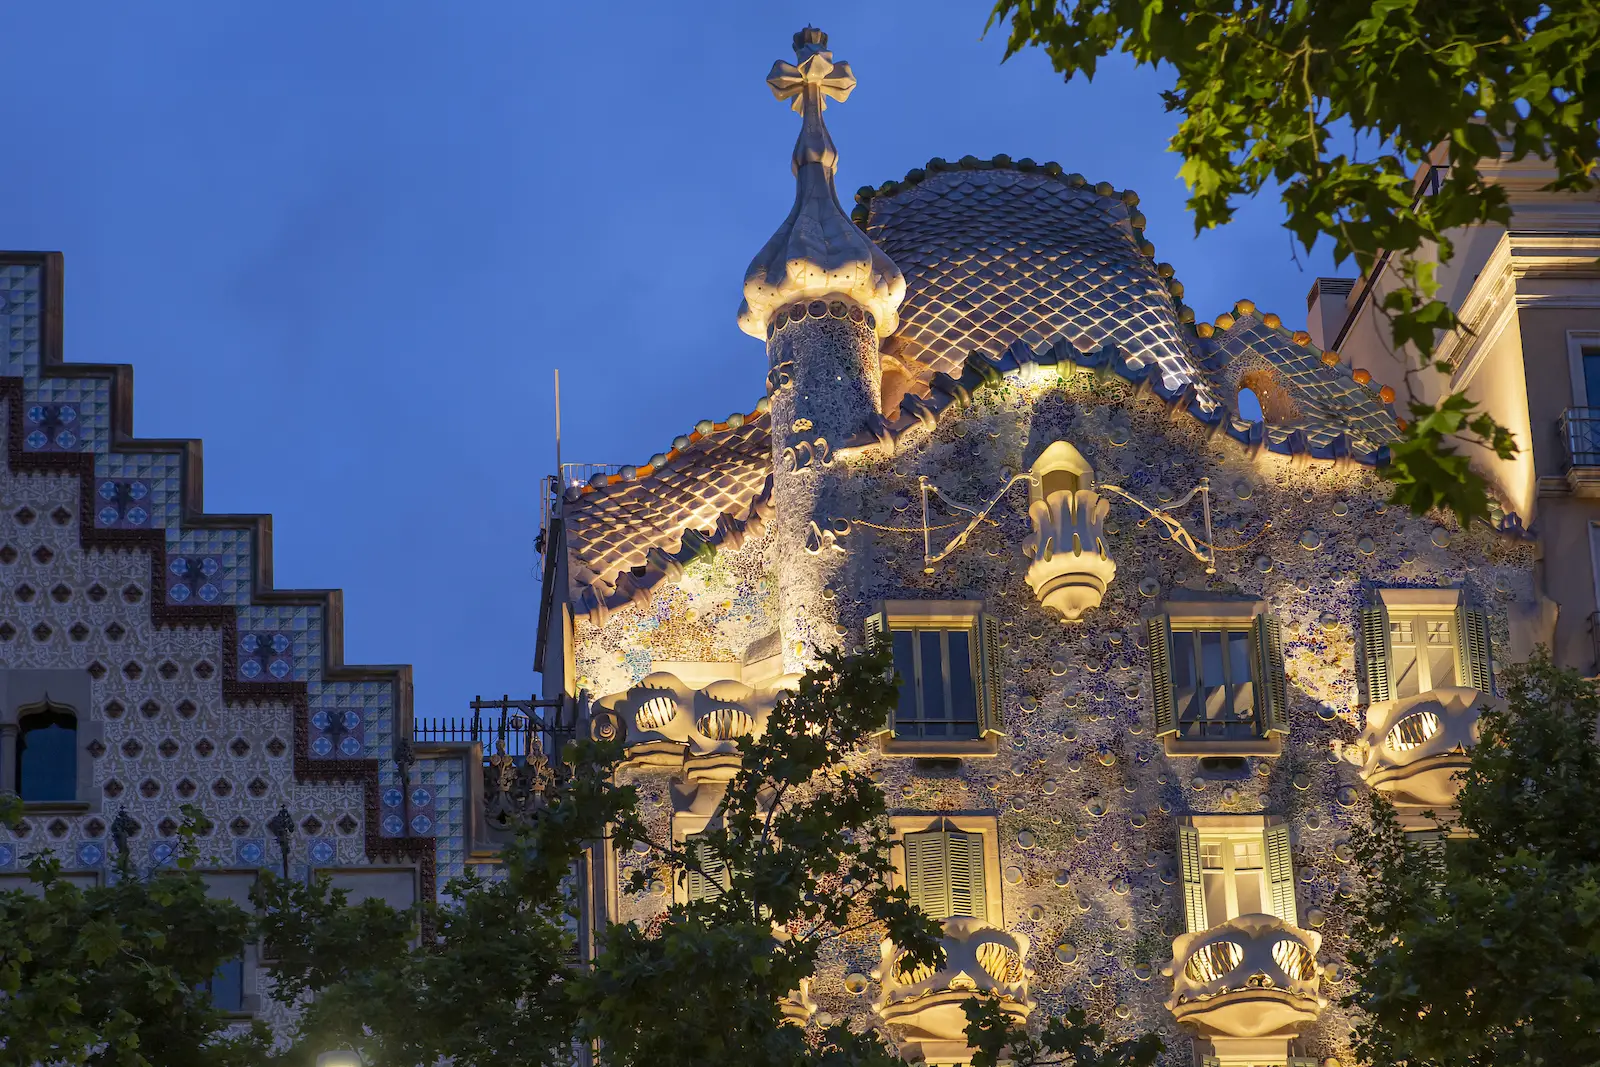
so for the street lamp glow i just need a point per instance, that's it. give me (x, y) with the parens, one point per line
(343, 1058)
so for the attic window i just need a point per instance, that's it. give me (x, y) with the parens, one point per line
(1249, 406)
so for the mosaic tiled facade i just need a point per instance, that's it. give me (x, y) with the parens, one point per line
(192, 679)
(1037, 325)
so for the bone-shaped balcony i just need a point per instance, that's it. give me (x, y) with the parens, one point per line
(925, 1004)
(1253, 976)
(1414, 747)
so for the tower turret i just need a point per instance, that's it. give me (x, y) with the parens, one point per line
(821, 294)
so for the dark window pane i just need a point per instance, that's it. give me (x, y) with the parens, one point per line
(227, 986)
(933, 676)
(1184, 691)
(963, 687)
(1211, 671)
(47, 757)
(1591, 377)
(905, 665)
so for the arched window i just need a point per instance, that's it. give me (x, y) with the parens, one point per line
(1249, 405)
(47, 754)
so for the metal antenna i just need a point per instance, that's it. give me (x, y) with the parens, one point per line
(561, 474)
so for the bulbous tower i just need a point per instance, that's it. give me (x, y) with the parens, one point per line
(822, 295)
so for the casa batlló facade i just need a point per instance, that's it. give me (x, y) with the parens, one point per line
(1156, 656)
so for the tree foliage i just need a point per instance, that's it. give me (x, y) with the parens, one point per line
(1490, 954)
(1281, 94)
(112, 975)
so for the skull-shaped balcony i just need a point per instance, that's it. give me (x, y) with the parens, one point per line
(1414, 747)
(1070, 568)
(663, 720)
(925, 1004)
(1254, 976)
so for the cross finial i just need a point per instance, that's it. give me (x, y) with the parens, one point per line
(810, 82)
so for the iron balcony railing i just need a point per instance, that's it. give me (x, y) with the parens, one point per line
(1580, 432)
(505, 725)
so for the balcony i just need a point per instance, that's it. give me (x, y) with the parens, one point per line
(1580, 433)
(924, 1005)
(1414, 747)
(1248, 978)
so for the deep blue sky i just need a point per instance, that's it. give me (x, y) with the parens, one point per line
(345, 243)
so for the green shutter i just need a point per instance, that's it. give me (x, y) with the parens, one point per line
(1430, 846)
(1280, 875)
(964, 867)
(1303, 1061)
(927, 873)
(1376, 654)
(1473, 667)
(877, 627)
(1161, 675)
(991, 690)
(712, 877)
(1194, 890)
(1272, 688)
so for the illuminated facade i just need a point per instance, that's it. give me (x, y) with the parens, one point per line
(1156, 654)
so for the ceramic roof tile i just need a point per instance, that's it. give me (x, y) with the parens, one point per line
(998, 257)
(611, 529)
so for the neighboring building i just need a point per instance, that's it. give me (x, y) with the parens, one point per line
(1528, 298)
(1125, 766)
(147, 662)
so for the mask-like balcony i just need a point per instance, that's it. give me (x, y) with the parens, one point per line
(1414, 747)
(1070, 568)
(924, 1004)
(664, 717)
(1251, 977)
(1580, 433)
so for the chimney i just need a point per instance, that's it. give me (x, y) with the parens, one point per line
(1325, 309)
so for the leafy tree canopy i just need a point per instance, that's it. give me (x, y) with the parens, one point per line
(1487, 952)
(1270, 94)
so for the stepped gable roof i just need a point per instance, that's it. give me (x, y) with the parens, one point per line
(996, 254)
(707, 492)
(146, 495)
(1305, 392)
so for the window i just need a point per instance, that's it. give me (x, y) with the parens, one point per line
(226, 986)
(1219, 686)
(1417, 640)
(47, 755)
(1235, 866)
(947, 656)
(711, 879)
(945, 873)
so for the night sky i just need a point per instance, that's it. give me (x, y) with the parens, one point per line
(346, 243)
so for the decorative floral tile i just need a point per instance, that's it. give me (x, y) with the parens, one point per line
(51, 428)
(250, 853)
(266, 656)
(193, 579)
(336, 733)
(122, 505)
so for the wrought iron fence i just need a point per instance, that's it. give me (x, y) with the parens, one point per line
(1580, 432)
(505, 725)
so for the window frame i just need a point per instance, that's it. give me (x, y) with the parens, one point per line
(25, 691)
(687, 825)
(989, 690)
(1270, 685)
(984, 824)
(1277, 873)
(1472, 648)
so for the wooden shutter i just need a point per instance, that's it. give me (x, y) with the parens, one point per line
(964, 867)
(927, 874)
(1194, 890)
(1376, 655)
(1161, 675)
(1473, 667)
(991, 688)
(709, 881)
(877, 627)
(1280, 875)
(1430, 846)
(1272, 688)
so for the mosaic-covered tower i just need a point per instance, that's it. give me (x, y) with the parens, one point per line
(821, 294)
